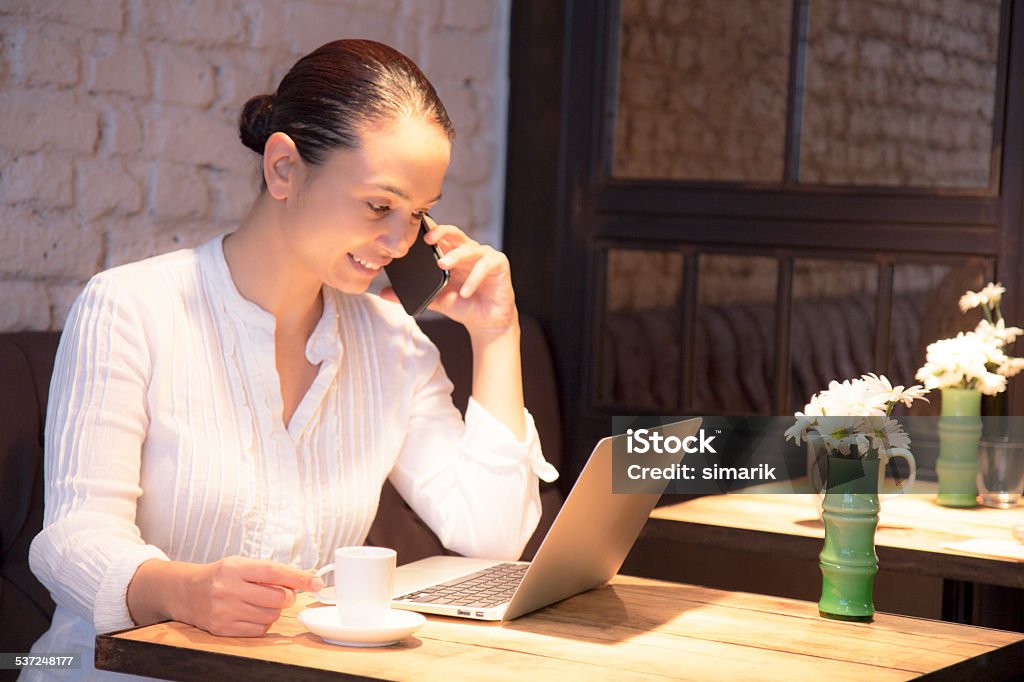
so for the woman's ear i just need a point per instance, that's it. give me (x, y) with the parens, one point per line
(281, 165)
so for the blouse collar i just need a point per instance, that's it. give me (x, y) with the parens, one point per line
(323, 344)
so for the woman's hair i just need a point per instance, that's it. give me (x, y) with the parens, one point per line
(331, 94)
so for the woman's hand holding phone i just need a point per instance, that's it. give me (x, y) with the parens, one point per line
(479, 293)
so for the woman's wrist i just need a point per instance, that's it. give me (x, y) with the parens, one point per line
(159, 591)
(510, 331)
(497, 375)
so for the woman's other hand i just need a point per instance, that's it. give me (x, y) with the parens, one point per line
(241, 597)
(234, 597)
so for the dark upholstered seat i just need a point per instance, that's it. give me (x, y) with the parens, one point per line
(26, 361)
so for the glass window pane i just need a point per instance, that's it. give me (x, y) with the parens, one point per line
(734, 339)
(640, 358)
(832, 331)
(702, 88)
(900, 92)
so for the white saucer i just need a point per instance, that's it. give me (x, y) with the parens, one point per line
(398, 625)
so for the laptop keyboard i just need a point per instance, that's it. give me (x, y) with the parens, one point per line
(490, 587)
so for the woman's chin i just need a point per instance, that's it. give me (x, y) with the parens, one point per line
(348, 285)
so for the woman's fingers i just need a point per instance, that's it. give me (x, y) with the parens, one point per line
(255, 614)
(266, 596)
(243, 597)
(274, 573)
(446, 236)
(486, 265)
(481, 261)
(248, 613)
(457, 256)
(233, 616)
(239, 628)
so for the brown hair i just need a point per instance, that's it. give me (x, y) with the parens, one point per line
(329, 95)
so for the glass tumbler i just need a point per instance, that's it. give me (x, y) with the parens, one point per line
(1000, 473)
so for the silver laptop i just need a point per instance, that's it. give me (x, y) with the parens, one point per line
(584, 548)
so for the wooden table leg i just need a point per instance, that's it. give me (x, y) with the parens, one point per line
(957, 601)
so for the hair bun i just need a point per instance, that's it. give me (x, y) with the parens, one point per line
(254, 125)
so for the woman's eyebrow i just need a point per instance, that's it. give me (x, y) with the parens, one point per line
(394, 190)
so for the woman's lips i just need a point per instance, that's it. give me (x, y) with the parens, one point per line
(372, 266)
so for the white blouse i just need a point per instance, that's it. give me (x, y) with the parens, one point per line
(164, 439)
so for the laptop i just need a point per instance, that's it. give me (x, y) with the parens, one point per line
(584, 548)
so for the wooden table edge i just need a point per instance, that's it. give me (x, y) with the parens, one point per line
(964, 567)
(116, 654)
(185, 664)
(1004, 663)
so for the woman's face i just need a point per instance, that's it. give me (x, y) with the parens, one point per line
(353, 214)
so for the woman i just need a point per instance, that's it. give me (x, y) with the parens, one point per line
(222, 418)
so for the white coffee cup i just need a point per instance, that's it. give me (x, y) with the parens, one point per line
(364, 579)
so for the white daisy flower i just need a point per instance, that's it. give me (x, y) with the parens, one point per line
(1012, 367)
(970, 300)
(853, 416)
(998, 332)
(964, 362)
(992, 294)
(991, 384)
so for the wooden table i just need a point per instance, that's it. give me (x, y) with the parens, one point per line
(912, 537)
(633, 628)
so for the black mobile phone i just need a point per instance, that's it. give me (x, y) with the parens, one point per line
(415, 276)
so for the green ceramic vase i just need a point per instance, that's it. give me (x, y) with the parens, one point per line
(848, 561)
(959, 433)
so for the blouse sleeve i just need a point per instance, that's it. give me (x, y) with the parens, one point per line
(472, 482)
(96, 421)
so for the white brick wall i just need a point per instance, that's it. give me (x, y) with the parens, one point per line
(119, 136)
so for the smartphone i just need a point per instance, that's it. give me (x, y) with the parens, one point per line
(415, 277)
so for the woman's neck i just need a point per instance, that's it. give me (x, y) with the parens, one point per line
(258, 257)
